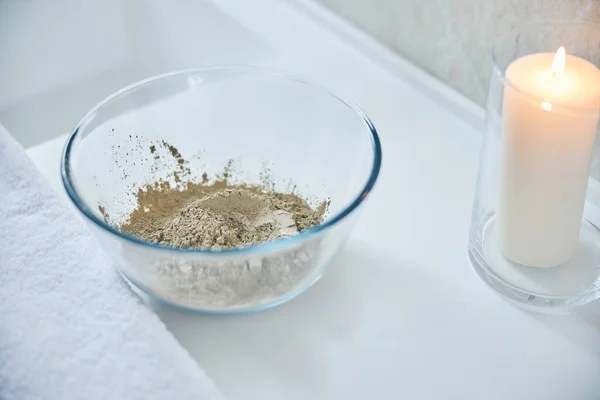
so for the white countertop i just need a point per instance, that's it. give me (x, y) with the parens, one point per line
(400, 313)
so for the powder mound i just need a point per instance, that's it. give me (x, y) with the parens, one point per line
(198, 227)
(225, 219)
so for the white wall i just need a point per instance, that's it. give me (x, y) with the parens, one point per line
(452, 39)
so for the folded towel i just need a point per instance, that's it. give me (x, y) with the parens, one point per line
(70, 328)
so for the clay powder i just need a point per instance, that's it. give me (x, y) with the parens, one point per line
(195, 214)
(218, 216)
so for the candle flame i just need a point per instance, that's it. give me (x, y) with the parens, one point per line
(558, 65)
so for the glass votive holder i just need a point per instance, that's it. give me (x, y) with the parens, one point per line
(534, 234)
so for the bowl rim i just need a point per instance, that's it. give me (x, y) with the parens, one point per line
(274, 245)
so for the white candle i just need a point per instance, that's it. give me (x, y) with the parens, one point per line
(550, 117)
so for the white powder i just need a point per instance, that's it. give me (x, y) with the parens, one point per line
(244, 282)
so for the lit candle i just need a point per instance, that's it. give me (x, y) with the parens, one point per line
(550, 117)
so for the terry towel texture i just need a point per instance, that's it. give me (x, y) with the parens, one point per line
(70, 328)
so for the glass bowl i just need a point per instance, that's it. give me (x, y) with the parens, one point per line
(269, 123)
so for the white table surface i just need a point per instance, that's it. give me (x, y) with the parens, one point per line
(400, 313)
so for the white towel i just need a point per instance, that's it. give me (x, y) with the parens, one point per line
(70, 328)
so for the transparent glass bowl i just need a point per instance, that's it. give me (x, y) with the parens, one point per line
(301, 135)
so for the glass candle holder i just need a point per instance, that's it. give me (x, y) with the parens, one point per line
(534, 234)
